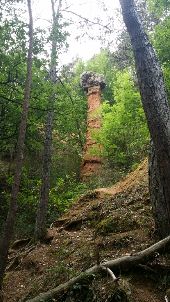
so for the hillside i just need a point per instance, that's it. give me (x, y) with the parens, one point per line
(101, 225)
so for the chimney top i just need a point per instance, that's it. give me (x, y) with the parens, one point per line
(90, 79)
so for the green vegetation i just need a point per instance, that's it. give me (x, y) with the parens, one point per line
(124, 137)
(124, 134)
(117, 224)
(41, 154)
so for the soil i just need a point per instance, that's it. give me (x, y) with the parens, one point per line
(102, 225)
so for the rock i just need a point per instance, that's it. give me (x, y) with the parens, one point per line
(91, 79)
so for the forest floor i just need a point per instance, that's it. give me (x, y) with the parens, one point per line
(102, 225)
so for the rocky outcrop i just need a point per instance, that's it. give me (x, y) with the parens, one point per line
(91, 79)
(92, 84)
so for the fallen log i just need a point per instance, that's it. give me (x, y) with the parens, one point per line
(123, 263)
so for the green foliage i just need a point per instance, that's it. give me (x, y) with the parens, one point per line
(102, 63)
(124, 134)
(69, 115)
(161, 40)
(13, 50)
(159, 7)
(62, 195)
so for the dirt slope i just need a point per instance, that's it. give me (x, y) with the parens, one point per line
(102, 225)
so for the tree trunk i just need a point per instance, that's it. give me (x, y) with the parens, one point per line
(157, 194)
(40, 225)
(9, 225)
(157, 112)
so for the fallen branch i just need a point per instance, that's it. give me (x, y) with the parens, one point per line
(122, 263)
(112, 275)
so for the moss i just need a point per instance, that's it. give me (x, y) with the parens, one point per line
(117, 224)
(93, 218)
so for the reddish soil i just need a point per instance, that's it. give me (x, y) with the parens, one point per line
(101, 225)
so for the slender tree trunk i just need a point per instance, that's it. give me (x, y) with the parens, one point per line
(40, 225)
(9, 225)
(157, 112)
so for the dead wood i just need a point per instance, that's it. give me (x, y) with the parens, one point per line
(109, 271)
(123, 263)
(20, 243)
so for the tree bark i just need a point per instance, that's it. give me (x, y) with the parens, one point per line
(9, 225)
(159, 206)
(156, 107)
(40, 225)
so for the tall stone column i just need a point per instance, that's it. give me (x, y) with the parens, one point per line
(92, 84)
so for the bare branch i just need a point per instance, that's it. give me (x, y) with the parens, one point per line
(87, 20)
(112, 275)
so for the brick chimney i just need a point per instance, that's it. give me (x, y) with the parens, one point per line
(92, 84)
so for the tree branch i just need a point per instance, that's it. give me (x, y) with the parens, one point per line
(87, 20)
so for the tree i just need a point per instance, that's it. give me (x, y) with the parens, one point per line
(68, 127)
(40, 226)
(155, 104)
(9, 225)
(125, 137)
(162, 44)
(159, 7)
